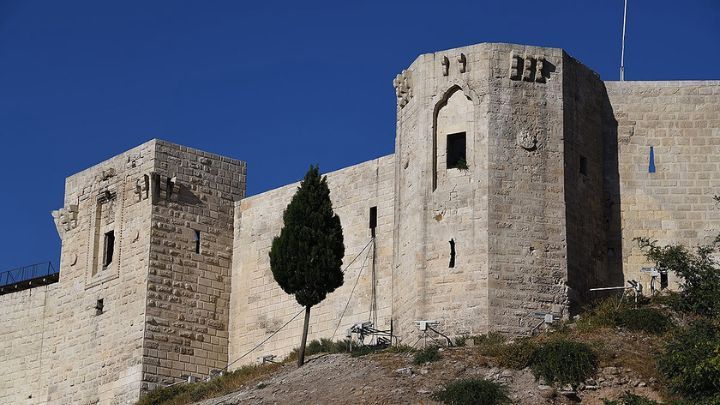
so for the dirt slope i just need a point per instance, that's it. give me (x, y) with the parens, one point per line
(391, 378)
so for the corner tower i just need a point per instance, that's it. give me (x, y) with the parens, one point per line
(488, 161)
(144, 283)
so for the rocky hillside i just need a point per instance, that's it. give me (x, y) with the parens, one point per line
(611, 354)
(393, 378)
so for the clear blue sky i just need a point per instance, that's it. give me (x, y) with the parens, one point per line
(278, 84)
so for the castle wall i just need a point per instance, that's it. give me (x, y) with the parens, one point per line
(441, 210)
(589, 177)
(681, 121)
(164, 310)
(21, 342)
(61, 348)
(259, 307)
(88, 355)
(553, 186)
(527, 224)
(189, 285)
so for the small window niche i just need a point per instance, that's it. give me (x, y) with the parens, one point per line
(456, 156)
(197, 241)
(99, 306)
(373, 220)
(108, 248)
(651, 161)
(452, 254)
(583, 165)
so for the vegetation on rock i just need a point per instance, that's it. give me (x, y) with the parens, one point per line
(427, 355)
(629, 398)
(564, 361)
(473, 392)
(691, 360)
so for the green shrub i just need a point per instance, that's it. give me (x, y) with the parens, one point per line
(713, 400)
(564, 361)
(601, 314)
(473, 392)
(461, 165)
(363, 350)
(670, 299)
(645, 319)
(314, 347)
(320, 346)
(699, 272)
(518, 354)
(328, 346)
(691, 360)
(427, 355)
(629, 398)
(461, 341)
(611, 312)
(491, 344)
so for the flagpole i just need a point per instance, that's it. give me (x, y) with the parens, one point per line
(622, 51)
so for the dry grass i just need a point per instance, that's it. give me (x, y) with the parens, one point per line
(181, 394)
(615, 346)
(634, 351)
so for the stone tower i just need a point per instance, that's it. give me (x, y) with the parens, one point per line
(146, 252)
(518, 182)
(499, 175)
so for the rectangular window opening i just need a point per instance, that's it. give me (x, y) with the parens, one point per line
(197, 241)
(99, 306)
(456, 157)
(373, 220)
(108, 248)
(583, 165)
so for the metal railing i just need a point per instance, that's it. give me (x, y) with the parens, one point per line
(44, 272)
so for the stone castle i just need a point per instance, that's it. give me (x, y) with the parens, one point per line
(518, 183)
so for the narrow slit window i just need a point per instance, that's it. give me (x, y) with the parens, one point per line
(651, 163)
(197, 241)
(456, 157)
(373, 220)
(452, 253)
(108, 248)
(99, 307)
(169, 188)
(583, 165)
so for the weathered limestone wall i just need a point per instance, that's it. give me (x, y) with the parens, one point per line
(90, 356)
(507, 213)
(164, 310)
(557, 186)
(21, 341)
(589, 175)
(259, 307)
(527, 225)
(681, 121)
(189, 291)
(437, 204)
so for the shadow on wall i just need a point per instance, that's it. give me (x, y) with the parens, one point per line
(187, 197)
(592, 196)
(613, 275)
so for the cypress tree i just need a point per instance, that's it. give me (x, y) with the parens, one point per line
(306, 257)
